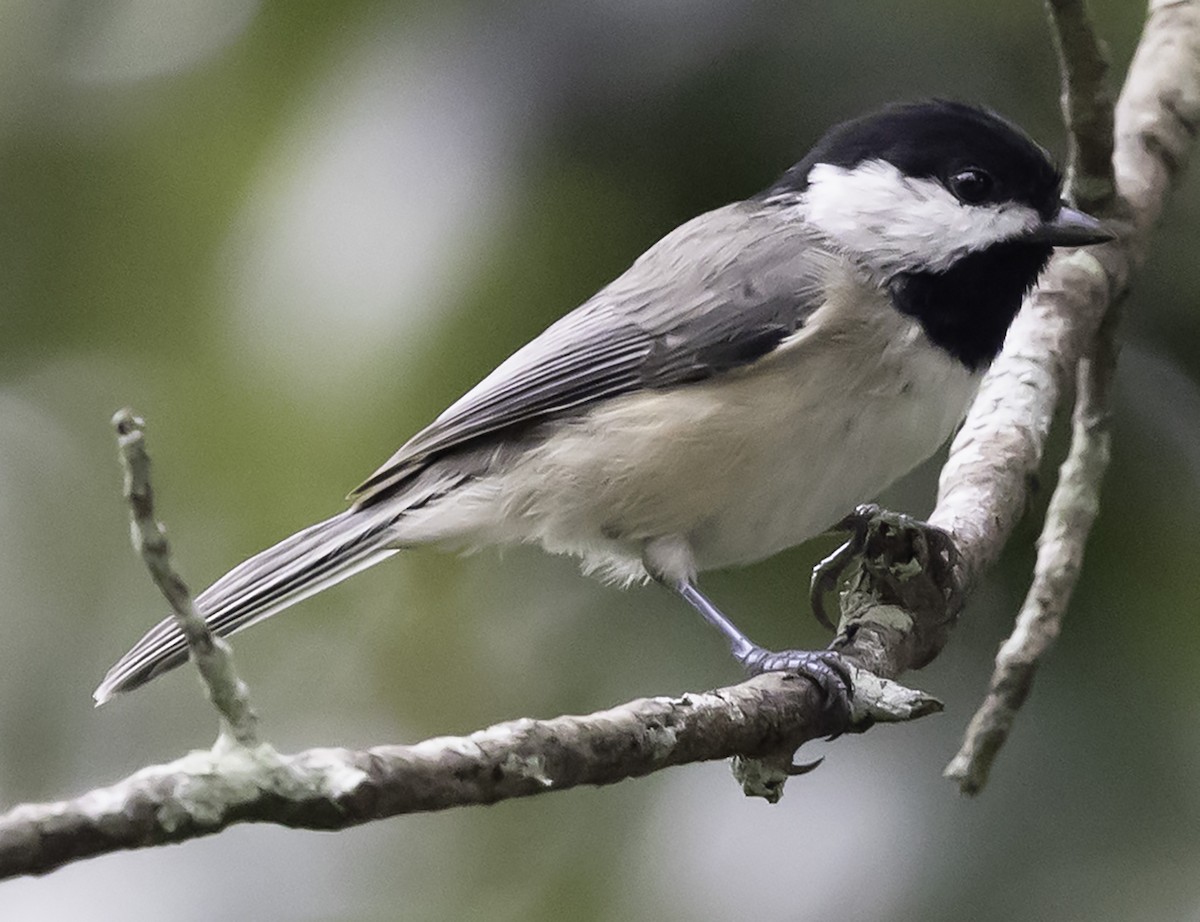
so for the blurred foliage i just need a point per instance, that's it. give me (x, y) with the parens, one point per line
(290, 232)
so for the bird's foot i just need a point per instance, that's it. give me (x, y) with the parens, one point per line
(825, 668)
(877, 531)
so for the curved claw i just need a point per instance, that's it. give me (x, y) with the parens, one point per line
(803, 768)
(826, 574)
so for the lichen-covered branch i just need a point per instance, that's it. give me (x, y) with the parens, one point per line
(211, 654)
(1158, 114)
(1156, 124)
(206, 791)
(762, 722)
(984, 486)
(1073, 509)
(1087, 106)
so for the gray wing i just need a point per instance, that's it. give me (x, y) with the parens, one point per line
(716, 294)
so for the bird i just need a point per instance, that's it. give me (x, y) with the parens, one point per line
(751, 377)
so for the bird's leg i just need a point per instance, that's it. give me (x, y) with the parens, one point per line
(741, 646)
(670, 561)
(823, 666)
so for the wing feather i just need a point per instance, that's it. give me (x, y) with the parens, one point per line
(742, 278)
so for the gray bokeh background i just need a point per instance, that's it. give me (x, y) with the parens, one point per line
(289, 233)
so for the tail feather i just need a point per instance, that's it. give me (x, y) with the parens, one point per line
(270, 581)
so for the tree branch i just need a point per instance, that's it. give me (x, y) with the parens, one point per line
(206, 791)
(1072, 511)
(762, 722)
(1156, 123)
(211, 654)
(1087, 105)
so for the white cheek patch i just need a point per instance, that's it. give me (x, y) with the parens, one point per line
(894, 223)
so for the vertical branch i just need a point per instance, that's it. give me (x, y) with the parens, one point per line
(1120, 164)
(212, 656)
(1087, 105)
(1069, 519)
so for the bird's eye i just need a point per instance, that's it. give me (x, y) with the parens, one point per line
(971, 186)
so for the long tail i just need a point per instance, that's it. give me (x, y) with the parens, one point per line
(270, 581)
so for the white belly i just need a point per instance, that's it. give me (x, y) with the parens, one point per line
(739, 467)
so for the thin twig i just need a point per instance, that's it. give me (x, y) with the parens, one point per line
(1069, 518)
(211, 654)
(1087, 105)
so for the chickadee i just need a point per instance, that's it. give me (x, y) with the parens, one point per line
(748, 380)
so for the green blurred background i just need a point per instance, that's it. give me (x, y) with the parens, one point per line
(289, 233)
